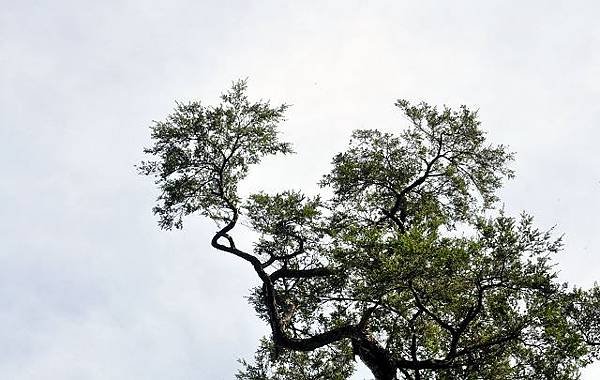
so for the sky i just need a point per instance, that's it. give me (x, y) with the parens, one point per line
(90, 288)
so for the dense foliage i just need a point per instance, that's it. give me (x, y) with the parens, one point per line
(409, 265)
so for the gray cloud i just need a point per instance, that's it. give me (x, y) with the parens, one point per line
(90, 289)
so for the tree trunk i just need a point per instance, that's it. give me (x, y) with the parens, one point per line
(375, 358)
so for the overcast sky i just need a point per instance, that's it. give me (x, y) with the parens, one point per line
(90, 288)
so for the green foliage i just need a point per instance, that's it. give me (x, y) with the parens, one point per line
(409, 266)
(327, 363)
(202, 153)
(438, 168)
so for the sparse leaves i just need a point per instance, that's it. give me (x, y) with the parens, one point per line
(201, 153)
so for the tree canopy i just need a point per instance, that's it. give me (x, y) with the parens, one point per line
(407, 263)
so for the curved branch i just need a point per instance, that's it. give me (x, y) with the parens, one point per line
(279, 336)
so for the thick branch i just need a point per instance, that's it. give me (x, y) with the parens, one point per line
(279, 336)
(462, 327)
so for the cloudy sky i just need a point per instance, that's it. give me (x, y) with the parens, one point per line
(89, 286)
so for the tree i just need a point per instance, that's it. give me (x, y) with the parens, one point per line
(408, 264)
